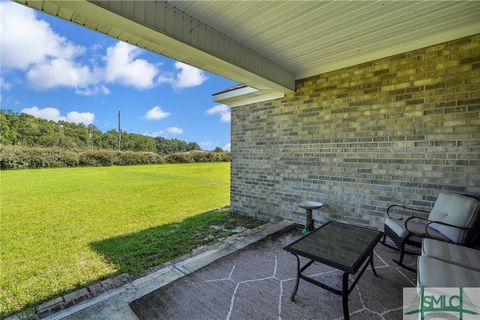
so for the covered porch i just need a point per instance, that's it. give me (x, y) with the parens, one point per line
(356, 105)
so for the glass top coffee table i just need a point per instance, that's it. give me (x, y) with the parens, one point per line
(339, 245)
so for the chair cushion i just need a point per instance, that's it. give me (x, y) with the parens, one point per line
(456, 210)
(417, 229)
(437, 273)
(452, 253)
(396, 226)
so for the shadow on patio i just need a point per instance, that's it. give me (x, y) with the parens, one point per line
(256, 283)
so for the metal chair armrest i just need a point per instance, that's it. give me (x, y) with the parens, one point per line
(405, 208)
(412, 218)
(428, 225)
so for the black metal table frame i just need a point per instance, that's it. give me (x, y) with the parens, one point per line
(366, 259)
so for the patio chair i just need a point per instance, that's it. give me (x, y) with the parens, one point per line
(452, 219)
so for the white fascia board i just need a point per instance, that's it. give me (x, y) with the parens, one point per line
(257, 99)
(246, 95)
(232, 94)
(161, 28)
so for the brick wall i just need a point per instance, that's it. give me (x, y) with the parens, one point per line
(394, 130)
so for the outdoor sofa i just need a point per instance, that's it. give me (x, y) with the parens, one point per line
(444, 264)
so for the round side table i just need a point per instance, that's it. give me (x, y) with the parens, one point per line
(309, 206)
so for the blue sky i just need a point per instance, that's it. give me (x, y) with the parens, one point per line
(57, 70)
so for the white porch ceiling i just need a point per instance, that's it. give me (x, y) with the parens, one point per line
(311, 37)
(268, 44)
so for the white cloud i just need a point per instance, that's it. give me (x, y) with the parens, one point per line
(92, 90)
(222, 110)
(154, 133)
(166, 132)
(188, 76)
(54, 114)
(174, 130)
(80, 117)
(48, 58)
(45, 113)
(122, 67)
(156, 113)
(51, 60)
(27, 40)
(59, 73)
(227, 147)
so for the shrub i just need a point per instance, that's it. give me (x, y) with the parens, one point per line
(97, 158)
(126, 158)
(178, 158)
(23, 157)
(197, 156)
(222, 157)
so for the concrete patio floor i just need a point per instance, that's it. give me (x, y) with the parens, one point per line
(256, 283)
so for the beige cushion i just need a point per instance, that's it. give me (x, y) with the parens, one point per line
(415, 227)
(456, 210)
(452, 253)
(437, 273)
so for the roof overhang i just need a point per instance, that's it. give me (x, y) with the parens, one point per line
(242, 95)
(267, 45)
(160, 27)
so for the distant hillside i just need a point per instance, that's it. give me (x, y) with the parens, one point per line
(26, 130)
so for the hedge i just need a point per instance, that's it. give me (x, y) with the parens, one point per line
(197, 156)
(22, 157)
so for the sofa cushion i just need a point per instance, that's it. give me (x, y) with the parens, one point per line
(456, 210)
(452, 253)
(437, 273)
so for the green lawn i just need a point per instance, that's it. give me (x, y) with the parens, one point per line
(64, 228)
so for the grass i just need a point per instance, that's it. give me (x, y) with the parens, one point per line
(62, 229)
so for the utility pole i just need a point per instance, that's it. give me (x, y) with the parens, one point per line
(119, 135)
(90, 134)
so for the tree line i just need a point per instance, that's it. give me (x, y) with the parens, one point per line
(26, 130)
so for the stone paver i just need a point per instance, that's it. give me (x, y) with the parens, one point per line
(50, 306)
(76, 297)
